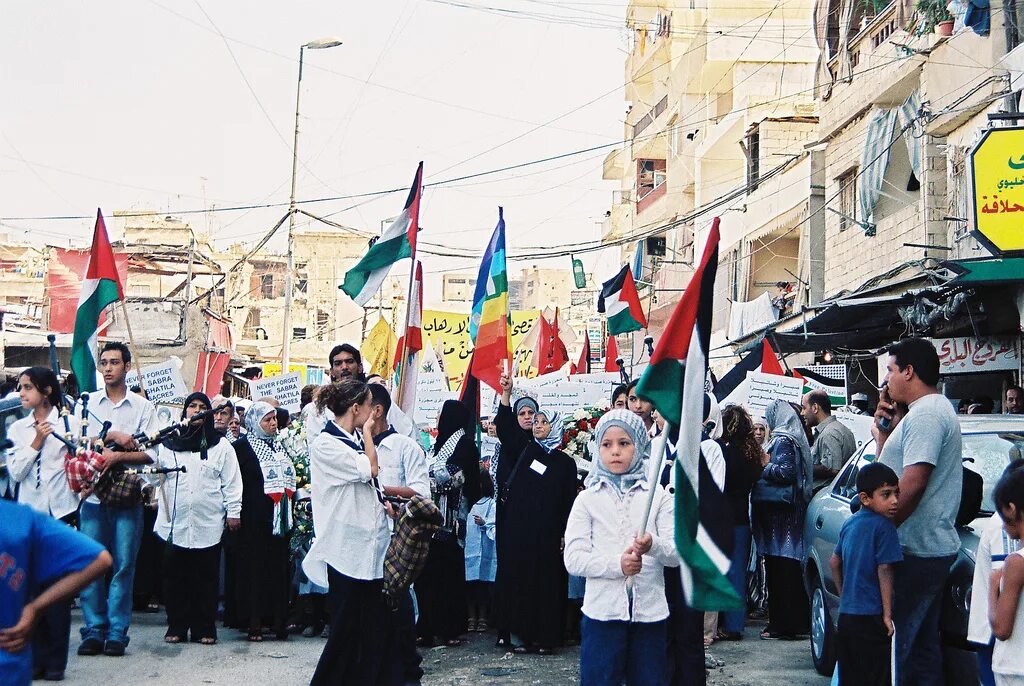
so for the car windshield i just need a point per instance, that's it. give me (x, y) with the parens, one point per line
(990, 454)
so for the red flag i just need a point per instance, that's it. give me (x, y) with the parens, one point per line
(770, 361)
(610, 355)
(551, 354)
(583, 366)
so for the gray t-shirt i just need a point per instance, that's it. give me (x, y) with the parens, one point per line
(930, 434)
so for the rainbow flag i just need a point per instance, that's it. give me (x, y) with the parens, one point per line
(489, 322)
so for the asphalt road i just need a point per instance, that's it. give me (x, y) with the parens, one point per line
(236, 661)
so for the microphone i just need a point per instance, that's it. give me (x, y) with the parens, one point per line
(649, 342)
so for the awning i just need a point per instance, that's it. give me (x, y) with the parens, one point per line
(851, 323)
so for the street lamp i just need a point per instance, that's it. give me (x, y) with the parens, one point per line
(286, 347)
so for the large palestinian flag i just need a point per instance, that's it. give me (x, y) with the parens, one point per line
(674, 382)
(364, 280)
(101, 286)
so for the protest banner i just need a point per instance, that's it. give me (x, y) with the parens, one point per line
(163, 382)
(431, 393)
(764, 389)
(286, 389)
(563, 398)
(596, 387)
(830, 378)
(448, 332)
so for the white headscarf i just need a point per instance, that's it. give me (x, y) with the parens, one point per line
(635, 428)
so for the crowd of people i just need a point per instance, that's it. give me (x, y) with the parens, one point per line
(313, 533)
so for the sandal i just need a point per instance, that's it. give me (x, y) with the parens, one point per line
(453, 643)
(545, 651)
(708, 642)
(729, 636)
(255, 637)
(152, 607)
(471, 625)
(173, 638)
(208, 641)
(521, 650)
(481, 626)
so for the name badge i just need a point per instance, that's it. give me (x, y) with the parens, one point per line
(538, 467)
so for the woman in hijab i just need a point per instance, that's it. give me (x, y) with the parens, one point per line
(513, 424)
(531, 580)
(201, 500)
(780, 501)
(455, 486)
(262, 552)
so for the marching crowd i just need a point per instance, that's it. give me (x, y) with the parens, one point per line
(324, 539)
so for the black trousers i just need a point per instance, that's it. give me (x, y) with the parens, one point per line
(403, 621)
(51, 638)
(863, 648)
(191, 579)
(356, 647)
(789, 611)
(685, 636)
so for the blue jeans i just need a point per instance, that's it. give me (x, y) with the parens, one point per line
(734, 621)
(108, 613)
(613, 653)
(917, 602)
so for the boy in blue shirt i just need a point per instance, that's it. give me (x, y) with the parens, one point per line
(862, 566)
(43, 559)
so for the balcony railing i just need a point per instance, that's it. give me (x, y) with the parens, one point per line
(649, 118)
(866, 36)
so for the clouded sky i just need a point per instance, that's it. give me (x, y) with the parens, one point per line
(179, 105)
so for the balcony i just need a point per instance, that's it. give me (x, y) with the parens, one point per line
(645, 121)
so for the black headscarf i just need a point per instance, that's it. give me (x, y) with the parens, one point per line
(454, 416)
(195, 439)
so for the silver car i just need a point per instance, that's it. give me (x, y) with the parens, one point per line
(990, 443)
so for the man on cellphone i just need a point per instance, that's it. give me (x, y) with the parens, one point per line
(924, 448)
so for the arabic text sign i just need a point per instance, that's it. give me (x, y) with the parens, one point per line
(286, 389)
(963, 355)
(431, 392)
(449, 334)
(764, 389)
(997, 166)
(163, 382)
(563, 398)
(596, 387)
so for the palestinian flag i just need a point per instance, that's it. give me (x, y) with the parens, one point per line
(364, 280)
(732, 387)
(620, 301)
(674, 382)
(814, 380)
(101, 286)
(412, 344)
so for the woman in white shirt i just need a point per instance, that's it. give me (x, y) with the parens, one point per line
(624, 640)
(352, 535)
(191, 519)
(36, 464)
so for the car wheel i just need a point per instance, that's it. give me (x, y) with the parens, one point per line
(823, 644)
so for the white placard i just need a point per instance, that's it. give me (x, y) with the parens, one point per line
(764, 389)
(431, 392)
(286, 389)
(859, 424)
(488, 401)
(163, 382)
(563, 398)
(596, 387)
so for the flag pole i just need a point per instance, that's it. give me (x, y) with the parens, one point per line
(403, 363)
(659, 450)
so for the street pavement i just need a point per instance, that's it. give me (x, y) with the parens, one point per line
(236, 661)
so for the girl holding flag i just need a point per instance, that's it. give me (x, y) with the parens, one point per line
(624, 634)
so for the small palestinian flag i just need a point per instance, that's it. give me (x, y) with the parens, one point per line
(620, 301)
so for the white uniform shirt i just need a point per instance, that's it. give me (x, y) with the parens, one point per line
(993, 547)
(43, 486)
(131, 415)
(600, 528)
(315, 420)
(199, 499)
(403, 463)
(349, 522)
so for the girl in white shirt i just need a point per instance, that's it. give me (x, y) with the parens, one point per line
(351, 537)
(36, 463)
(197, 506)
(624, 641)
(1005, 609)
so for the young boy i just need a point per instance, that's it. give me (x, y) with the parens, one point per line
(862, 566)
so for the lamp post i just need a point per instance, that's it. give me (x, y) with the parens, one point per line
(286, 347)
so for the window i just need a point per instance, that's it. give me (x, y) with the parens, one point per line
(1013, 11)
(298, 333)
(252, 322)
(753, 152)
(267, 286)
(650, 175)
(323, 320)
(734, 275)
(847, 199)
(301, 283)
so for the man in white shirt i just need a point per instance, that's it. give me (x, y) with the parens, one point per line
(107, 608)
(403, 474)
(345, 362)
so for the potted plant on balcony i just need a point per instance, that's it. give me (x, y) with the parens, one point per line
(935, 16)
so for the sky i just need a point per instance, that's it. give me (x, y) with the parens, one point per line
(179, 105)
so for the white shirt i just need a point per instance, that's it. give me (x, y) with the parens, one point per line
(349, 522)
(601, 526)
(130, 415)
(402, 462)
(52, 495)
(993, 547)
(199, 499)
(1008, 655)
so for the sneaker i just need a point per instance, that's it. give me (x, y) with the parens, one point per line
(114, 648)
(90, 646)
